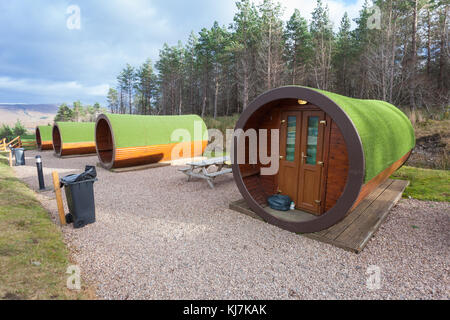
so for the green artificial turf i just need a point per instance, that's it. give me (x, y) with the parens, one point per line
(72, 132)
(136, 130)
(385, 131)
(425, 184)
(46, 133)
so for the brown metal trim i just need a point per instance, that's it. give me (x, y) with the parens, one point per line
(38, 139)
(40, 144)
(71, 148)
(113, 159)
(355, 150)
(58, 153)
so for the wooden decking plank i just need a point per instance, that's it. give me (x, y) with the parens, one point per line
(242, 207)
(354, 233)
(334, 231)
(363, 228)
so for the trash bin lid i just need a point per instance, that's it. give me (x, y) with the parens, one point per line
(90, 174)
(71, 180)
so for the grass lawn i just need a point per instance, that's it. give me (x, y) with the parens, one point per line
(33, 257)
(426, 184)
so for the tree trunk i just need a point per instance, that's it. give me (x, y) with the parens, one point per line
(216, 95)
(269, 59)
(246, 86)
(412, 75)
(428, 42)
(443, 51)
(181, 100)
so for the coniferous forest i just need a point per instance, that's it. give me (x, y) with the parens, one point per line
(398, 52)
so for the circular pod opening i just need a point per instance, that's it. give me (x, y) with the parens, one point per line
(38, 139)
(57, 141)
(104, 142)
(304, 140)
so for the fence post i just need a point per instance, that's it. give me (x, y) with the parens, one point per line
(59, 202)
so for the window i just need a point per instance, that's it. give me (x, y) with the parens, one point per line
(291, 133)
(311, 145)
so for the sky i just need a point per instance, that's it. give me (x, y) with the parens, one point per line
(46, 56)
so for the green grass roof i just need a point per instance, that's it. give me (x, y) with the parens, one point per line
(46, 133)
(136, 130)
(72, 132)
(385, 131)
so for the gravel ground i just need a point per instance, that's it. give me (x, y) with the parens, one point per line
(159, 237)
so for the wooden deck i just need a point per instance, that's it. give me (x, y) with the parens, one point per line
(356, 229)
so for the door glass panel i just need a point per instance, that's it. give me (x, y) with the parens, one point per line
(313, 133)
(290, 140)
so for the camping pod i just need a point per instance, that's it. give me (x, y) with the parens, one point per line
(133, 140)
(44, 138)
(73, 138)
(333, 152)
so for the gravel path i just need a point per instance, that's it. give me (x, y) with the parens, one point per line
(159, 237)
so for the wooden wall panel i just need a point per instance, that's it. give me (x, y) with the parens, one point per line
(254, 187)
(337, 167)
(269, 122)
(379, 179)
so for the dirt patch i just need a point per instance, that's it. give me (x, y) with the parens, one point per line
(12, 296)
(432, 145)
(7, 251)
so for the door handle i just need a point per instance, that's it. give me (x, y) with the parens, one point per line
(304, 157)
(281, 157)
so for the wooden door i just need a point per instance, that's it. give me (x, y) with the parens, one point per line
(311, 162)
(289, 153)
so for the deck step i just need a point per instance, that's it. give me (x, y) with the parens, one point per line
(355, 230)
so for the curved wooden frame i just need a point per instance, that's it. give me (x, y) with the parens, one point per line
(355, 179)
(112, 157)
(42, 145)
(107, 161)
(63, 149)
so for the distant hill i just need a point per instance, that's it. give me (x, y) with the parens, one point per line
(30, 115)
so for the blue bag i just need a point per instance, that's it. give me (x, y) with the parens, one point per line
(280, 202)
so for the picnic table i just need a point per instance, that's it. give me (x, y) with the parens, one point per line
(199, 169)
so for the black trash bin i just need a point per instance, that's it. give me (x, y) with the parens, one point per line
(19, 155)
(79, 190)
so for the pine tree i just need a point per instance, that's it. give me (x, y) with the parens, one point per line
(322, 38)
(270, 46)
(299, 50)
(342, 56)
(64, 113)
(127, 81)
(244, 46)
(113, 100)
(145, 87)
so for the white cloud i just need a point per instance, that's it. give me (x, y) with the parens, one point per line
(69, 89)
(41, 57)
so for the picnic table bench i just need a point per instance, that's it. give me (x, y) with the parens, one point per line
(199, 169)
